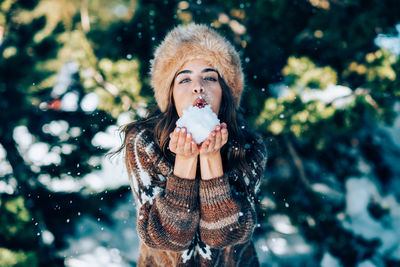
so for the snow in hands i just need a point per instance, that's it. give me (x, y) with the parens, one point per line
(199, 120)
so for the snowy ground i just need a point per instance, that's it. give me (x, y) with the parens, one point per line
(96, 244)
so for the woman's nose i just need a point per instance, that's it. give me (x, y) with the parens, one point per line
(198, 89)
(198, 86)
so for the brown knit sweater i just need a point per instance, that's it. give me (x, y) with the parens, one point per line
(197, 222)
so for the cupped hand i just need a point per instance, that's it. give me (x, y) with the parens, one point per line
(182, 144)
(217, 139)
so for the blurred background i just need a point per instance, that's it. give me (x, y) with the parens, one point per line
(321, 86)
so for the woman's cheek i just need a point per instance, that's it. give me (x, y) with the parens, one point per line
(185, 104)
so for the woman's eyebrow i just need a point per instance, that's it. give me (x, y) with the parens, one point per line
(184, 71)
(189, 71)
(208, 70)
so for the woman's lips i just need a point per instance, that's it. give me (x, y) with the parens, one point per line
(200, 103)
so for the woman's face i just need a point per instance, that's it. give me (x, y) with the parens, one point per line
(196, 83)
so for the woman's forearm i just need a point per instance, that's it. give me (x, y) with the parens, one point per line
(230, 219)
(185, 167)
(211, 166)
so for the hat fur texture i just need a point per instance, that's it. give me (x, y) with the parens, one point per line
(195, 41)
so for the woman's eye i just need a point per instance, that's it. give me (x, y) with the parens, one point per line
(184, 80)
(210, 79)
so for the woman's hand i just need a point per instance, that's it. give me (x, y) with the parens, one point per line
(217, 139)
(182, 144)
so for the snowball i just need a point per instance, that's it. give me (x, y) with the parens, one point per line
(199, 122)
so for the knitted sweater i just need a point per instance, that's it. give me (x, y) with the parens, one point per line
(184, 222)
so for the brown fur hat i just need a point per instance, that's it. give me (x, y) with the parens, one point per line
(193, 42)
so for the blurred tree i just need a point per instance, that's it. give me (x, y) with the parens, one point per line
(317, 85)
(47, 69)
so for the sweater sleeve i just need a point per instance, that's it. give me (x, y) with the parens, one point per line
(227, 212)
(168, 212)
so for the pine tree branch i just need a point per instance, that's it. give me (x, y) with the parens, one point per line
(1, 34)
(85, 21)
(109, 87)
(297, 162)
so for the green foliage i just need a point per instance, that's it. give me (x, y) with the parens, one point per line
(15, 221)
(302, 72)
(316, 120)
(123, 74)
(377, 71)
(304, 120)
(19, 258)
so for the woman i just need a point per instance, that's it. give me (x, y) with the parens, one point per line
(195, 203)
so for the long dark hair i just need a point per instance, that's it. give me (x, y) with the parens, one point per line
(163, 123)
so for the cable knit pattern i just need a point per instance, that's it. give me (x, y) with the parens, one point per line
(184, 222)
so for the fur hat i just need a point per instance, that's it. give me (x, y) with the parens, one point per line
(193, 42)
